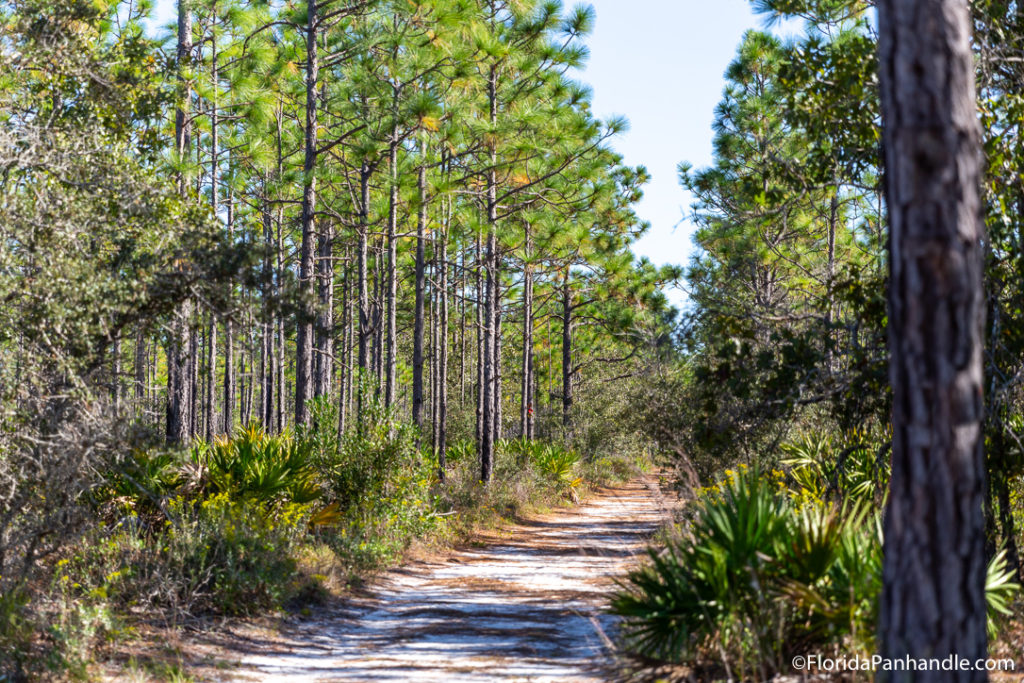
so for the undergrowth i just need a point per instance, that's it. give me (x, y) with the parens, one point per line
(262, 522)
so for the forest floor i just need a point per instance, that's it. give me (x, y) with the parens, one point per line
(522, 603)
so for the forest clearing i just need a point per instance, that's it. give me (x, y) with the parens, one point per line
(344, 340)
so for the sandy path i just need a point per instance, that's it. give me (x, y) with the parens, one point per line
(527, 607)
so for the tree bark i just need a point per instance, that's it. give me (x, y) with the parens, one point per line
(417, 334)
(363, 294)
(304, 340)
(567, 396)
(325, 311)
(442, 363)
(228, 421)
(933, 597)
(525, 398)
(178, 382)
(487, 428)
(480, 305)
(210, 425)
(391, 295)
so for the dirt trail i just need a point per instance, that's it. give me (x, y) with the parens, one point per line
(526, 607)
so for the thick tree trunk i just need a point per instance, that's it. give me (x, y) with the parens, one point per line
(304, 340)
(933, 599)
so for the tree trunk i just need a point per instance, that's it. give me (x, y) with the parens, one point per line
(267, 415)
(525, 399)
(442, 363)
(417, 334)
(304, 340)
(391, 295)
(364, 293)
(487, 428)
(933, 597)
(279, 413)
(325, 311)
(228, 421)
(567, 397)
(498, 416)
(139, 372)
(490, 376)
(480, 306)
(346, 346)
(193, 381)
(211, 427)
(178, 382)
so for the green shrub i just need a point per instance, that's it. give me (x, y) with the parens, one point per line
(380, 485)
(555, 463)
(849, 469)
(259, 466)
(227, 556)
(762, 575)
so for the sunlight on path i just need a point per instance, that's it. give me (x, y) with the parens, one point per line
(527, 608)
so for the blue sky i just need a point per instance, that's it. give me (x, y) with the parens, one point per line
(659, 63)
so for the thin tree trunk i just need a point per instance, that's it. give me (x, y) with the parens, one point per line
(346, 346)
(228, 421)
(325, 317)
(490, 310)
(463, 277)
(267, 416)
(417, 334)
(364, 294)
(281, 394)
(498, 415)
(304, 340)
(933, 596)
(487, 445)
(525, 400)
(139, 372)
(211, 427)
(178, 382)
(193, 381)
(480, 298)
(442, 363)
(391, 295)
(567, 397)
